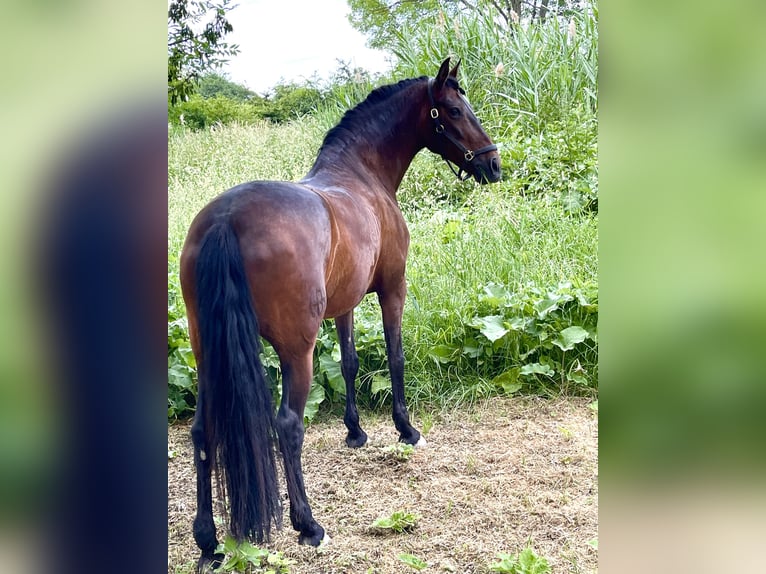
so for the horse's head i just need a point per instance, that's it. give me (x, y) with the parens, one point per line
(455, 133)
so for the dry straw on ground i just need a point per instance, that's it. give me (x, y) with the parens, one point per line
(493, 478)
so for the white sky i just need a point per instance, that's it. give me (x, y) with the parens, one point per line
(293, 39)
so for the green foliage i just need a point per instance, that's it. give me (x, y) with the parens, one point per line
(211, 85)
(399, 521)
(379, 20)
(182, 367)
(413, 561)
(528, 75)
(400, 451)
(191, 53)
(291, 101)
(525, 562)
(222, 102)
(549, 332)
(245, 557)
(199, 112)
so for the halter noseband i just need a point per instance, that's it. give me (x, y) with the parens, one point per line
(439, 128)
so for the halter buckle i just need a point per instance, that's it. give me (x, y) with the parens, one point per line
(440, 129)
(434, 113)
(468, 155)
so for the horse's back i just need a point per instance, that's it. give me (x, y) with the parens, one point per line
(272, 220)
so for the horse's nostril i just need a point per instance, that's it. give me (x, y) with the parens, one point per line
(495, 164)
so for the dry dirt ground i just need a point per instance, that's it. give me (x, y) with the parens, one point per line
(493, 478)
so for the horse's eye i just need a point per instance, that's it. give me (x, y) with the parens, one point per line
(455, 113)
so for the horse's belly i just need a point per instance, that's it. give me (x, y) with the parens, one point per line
(348, 288)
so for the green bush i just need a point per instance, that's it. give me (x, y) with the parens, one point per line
(291, 101)
(222, 102)
(199, 112)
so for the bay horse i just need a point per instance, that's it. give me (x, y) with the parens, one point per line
(274, 259)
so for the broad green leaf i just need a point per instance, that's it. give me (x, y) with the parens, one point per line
(508, 381)
(331, 370)
(472, 348)
(442, 353)
(413, 561)
(495, 294)
(569, 337)
(379, 384)
(537, 369)
(531, 563)
(316, 396)
(545, 306)
(490, 326)
(517, 323)
(384, 522)
(506, 563)
(578, 378)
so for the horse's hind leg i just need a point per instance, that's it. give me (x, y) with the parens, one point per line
(296, 382)
(392, 306)
(204, 527)
(349, 366)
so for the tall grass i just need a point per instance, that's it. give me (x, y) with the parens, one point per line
(529, 75)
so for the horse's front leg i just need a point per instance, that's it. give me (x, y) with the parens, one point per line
(349, 366)
(392, 306)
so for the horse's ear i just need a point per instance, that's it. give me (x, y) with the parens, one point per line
(441, 77)
(453, 71)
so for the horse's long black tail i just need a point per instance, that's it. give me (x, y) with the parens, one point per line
(234, 389)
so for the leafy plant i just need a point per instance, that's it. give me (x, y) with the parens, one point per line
(413, 561)
(400, 451)
(525, 562)
(182, 366)
(243, 556)
(399, 521)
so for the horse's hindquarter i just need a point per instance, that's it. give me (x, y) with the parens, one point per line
(284, 234)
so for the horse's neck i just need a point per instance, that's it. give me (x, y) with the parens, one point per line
(379, 154)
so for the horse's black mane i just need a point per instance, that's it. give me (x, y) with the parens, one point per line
(363, 112)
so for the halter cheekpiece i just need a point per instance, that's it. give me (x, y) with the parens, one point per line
(439, 128)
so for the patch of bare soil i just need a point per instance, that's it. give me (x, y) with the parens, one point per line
(492, 479)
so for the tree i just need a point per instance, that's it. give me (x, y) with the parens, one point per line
(212, 84)
(380, 19)
(192, 53)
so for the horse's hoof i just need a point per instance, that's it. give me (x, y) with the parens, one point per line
(325, 542)
(422, 442)
(356, 441)
(313, 539)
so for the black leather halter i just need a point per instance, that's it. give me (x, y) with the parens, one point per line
(439, 128)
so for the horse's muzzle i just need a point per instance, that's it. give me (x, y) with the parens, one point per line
(488, 171)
